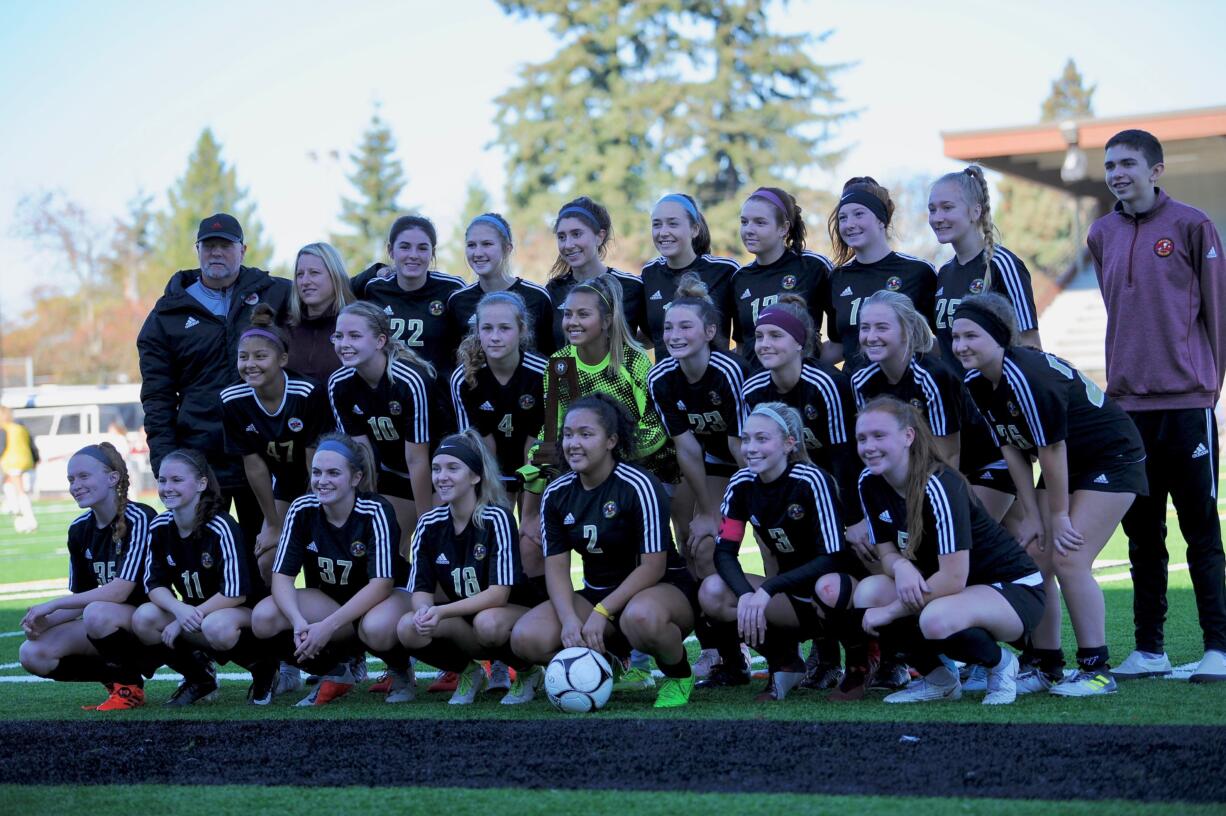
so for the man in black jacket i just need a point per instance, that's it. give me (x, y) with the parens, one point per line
(188, 351)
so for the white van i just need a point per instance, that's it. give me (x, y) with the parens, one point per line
(62, 419)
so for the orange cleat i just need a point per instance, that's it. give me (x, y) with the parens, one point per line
(330, 690)
(447, 681)
(383, 685)
(123, 697)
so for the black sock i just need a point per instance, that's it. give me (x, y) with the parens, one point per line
(1093, 660)
(903, 637)
(507, 655)
(396, 658)
(443, 654)
(125, 655)
(1048, 661)
(675, 670)
(708, 638)
(780, 648)
(826, 647)
(82, 669)
(724, 639)
(249, 651)
(975, 646)
(189, 661)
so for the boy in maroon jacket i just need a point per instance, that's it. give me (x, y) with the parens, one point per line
(1162, 271)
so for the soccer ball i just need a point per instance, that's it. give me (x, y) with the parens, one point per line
(578, 680)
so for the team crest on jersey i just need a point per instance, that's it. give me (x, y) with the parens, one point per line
(1012, 406)
(560, 367)
(610, 509)
(357, 549)
(894, 283)
(393, 408)
(295, 424)
(206, 560)
(810, 412)
(479, 552)
(251, 299)
(714, 397)
(527, 401)
(1164, 247)
(977, 286)
(795, 511)
(919, 405)
(436, 307)
(789, 282)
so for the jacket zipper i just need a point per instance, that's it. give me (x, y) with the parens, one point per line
(1136, 229)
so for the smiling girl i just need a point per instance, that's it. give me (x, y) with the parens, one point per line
(107, 546)
(321, 290)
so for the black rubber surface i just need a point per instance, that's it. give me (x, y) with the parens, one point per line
(1017, 761)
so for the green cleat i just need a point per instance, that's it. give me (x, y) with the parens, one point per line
(674, 692)
(633, 679)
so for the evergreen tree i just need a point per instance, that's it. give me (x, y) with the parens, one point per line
(378, 179)
(208, 186)
(1036, 221)
(476, 201)
(649, 97)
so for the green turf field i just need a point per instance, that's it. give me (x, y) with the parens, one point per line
(40, 557)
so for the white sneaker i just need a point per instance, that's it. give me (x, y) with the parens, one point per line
(473, 681)
(525, 686)
(1002, 682)
(974, 678)
(1032, 681)
(939, 685)
(1143, 664)
(289, 679)
(404, 686)
(500, 676)
(1086, 684)
(707, 660)
(1212, 668)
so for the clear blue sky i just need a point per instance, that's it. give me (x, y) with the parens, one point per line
(102, 99)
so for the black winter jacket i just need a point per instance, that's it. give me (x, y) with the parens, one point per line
(187, 356)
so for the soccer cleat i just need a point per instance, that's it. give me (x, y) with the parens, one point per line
(309, 700)
(1142, 664)
(289, 679)
(632, 678)
(500, 676)
(674, 692)
(447, 681)
(724, 675)
(1212, 668)
(821, 676)
(852, 685)
(190, 693)
(357, 666)
(382, 685)
(122, 698)
(1033, 681)
(402, 686)
(973, 678)
(525, 686)
(1086, 684)
(473, 681)
(335, 685)
(707, 660)
(109, 688)
(264, 680)
(1002, 682)
(779, 683)
(890, 676)
(940, 685)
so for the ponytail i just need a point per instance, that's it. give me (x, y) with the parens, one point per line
(118, 465)
(609, 301)
(490, 490)
(788, 211)
(359, 458)
(973, 185)
(842, 252)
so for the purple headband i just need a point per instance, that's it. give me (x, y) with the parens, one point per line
(257, 332)
(762, 192)
(774, 316)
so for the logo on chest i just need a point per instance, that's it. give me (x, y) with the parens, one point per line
(789, 282)
(295, 424)
(251, 299)
(206, 560)
(976, 286)
(714, 398)
(1164, 247)
(894, 283)
(357, 549)
(610, 509)
(436, 308)
(795, 512)
(1012, 407)
(527, 401)
(902, 541)
(479, 552)
(393, 408)
(810, 412)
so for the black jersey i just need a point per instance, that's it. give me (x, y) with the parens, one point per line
(94, 559)
(928, 383)
(797, 517)
(953, 520)
(394, 412)
(660, 287)
(467, 563)
(712, 408)
(1009, 278)
(853, 282)
(418, 317)
(756, 286)
(339, 561)
(281, 438)
(462, 307)
(610, 526)
(1042, 400)
(827, 407)
(633, 304)
(510, 413)
(197, 568)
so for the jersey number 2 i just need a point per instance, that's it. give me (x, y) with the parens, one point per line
(412, 328)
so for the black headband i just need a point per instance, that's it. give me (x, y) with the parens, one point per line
(990, 323)
(866, 199)
(95, 452)
(471, 458)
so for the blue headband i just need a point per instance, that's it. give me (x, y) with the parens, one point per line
(686, 204)
(336, 447)
(580, 213)
(765, 410)
(498, 225)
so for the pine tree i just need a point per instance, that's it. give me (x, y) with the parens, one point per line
(650, 97)
(476, 201)
(1035, 221)
(378, 179)
(208, 186)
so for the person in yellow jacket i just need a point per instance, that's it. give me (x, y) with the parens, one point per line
(16, 460)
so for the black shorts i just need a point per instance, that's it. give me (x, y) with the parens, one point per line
(1111, 476)
(994, 476)
(1027, 600)
(286, 488)
(806, 613)
(394, 485)
(530, 592)
(678, 577)
(722, 470)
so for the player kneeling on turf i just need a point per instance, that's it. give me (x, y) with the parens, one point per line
(466, 589)
(636, 590)
(955, 582)
(107, 545)
(342, 536)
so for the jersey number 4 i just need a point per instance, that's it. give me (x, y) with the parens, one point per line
(287, 451)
